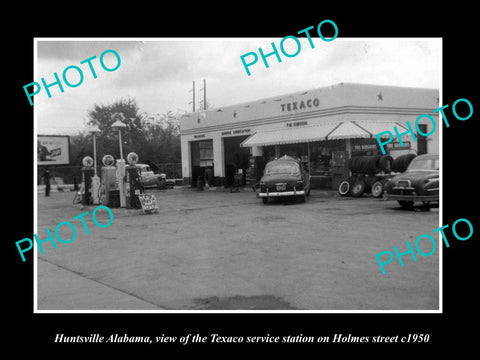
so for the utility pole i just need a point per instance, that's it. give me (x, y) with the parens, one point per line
(193, 96)
(204, 94)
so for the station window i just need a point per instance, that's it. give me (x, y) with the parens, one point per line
(206, 153)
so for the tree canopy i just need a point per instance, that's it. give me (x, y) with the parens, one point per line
(155, 138)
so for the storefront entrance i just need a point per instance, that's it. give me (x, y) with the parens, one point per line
(202, 161)
(319, 156)
(236, 158)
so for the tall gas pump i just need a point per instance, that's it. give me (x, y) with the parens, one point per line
(87, 174)
(96, 188)
(133, 185)
(340, 169)
(255, 167)
(108, 177)
(120, 175)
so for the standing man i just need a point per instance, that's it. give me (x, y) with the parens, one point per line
(46, 179)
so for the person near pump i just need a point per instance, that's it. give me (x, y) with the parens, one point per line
(46, 178)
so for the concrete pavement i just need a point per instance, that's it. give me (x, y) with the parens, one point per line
(222, 250)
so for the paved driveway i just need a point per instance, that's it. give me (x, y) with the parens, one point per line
(222, 250)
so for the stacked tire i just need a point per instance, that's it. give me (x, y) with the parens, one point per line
(365, 181)
(400, 164)
(370, 164)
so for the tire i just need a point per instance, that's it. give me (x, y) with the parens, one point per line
(369, 180)
(265, 200)
(352, 163)
(374, 164)
(370, 164)
(400, 164)
(358, 188)
(385, 163)
(344, 188)
(161, 184)
(377, 189)
(406, 204)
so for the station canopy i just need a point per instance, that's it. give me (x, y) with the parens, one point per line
(328, 131)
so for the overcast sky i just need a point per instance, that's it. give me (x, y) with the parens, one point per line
(158, 73)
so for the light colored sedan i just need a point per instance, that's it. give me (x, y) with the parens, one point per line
(150, 179)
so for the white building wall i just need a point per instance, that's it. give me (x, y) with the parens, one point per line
(335, 103)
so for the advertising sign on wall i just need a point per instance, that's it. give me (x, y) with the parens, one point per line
(53, 150)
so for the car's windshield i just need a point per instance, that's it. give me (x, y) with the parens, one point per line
(282, 168)
(424, 164)
(144, 168)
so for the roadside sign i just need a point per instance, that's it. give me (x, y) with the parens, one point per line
(149, 203)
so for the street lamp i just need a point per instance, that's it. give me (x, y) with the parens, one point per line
(94, 130)
(120, 172)
(118, 125)
(95, 179)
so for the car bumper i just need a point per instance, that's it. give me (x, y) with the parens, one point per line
(412, 197)
(281, 193)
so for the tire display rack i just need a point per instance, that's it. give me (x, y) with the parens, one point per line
(371, 173)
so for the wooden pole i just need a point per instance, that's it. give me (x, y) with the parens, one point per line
(193, 102)
(204, 94)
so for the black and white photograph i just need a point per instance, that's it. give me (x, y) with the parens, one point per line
(272, 190)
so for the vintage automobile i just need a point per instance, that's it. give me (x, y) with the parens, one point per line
(284, 176)
(150, 179)
(420, 182)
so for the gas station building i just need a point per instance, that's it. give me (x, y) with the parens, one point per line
(324, 127)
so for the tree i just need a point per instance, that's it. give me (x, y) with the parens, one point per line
(155, 138)
(163, 134)
(103, 116)
(81, 145)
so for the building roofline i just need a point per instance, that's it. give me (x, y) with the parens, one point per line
(303, 92)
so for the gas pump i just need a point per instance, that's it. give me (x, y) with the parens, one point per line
(96, 187)
(133, 185)
(107, 174)
(254, 171)
(87, 174)
(255, 167)
(340, 169)
(120, 179)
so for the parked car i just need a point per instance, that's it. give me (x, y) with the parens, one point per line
(284, 176)
(150, 179)
(420, 182)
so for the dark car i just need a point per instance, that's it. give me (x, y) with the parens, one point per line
(420, 182)
(284, 176)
